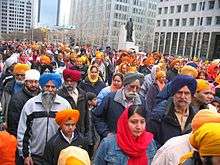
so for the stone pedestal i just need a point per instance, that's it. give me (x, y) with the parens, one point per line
(123, 44)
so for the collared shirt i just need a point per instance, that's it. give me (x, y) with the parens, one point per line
(74, 94)
(182, 117)
(66, 138)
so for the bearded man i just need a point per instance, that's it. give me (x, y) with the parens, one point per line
(105, 116)
(37, 125)
(76, 97)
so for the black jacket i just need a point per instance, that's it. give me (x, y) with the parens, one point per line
(14, 109)
(164, 123)
(83, 123)
(57, 143)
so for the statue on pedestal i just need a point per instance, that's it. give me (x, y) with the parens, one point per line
(129, 29)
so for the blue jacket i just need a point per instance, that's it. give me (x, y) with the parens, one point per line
(106, 115)
(109, 153)
(164, 124)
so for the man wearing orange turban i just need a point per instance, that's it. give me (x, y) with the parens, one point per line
(206, 141)
(66, 136)
(203, 96)
(171, 152)
(13, 86)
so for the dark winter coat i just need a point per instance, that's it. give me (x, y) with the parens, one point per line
(151, 96)
(14, 109)
(171, 74)
(83, 123)
(87, 86)
(164, 124)
(57, 143)
(105, 116)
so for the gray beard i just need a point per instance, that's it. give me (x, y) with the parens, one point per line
(47, 100)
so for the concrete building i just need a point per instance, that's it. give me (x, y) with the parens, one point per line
(98, 21)
(188, 28)
(15, 15)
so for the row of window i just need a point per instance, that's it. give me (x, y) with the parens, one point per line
(191, 21)
(187, 7)
(121, 7)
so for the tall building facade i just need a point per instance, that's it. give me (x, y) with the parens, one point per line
(46, 13)
(15, 15)
(188, 28)
(99, 21)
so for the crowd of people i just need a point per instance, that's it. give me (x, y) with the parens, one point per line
(82, 105)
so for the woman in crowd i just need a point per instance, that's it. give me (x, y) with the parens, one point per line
(92, 82)
(117, 81)
(131, 145)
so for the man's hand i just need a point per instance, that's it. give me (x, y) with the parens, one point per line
(28, 161)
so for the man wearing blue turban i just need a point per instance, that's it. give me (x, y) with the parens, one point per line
(37, 124)
(173, 113)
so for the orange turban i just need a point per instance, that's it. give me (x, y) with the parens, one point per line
(207, 139)
(20, 68)
(67, 114)
(202, 85)
(189, 70)
(7, 148)
(174, 62)
(45, 59)
(99, 55)
(160, 74)
(217, 79)
(204, 116)
(149, 61)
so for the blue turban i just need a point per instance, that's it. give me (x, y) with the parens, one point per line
(175, 85)
(193, 64)
(54, 77)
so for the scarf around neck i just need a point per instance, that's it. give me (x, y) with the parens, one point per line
(134, 148)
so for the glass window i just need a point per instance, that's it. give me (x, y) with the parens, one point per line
(177, 22)
(178, 8)
(193, 6)
(198, 21)
(170, 22)
(191, 21)
(184, 22)
(217, 20)
(186, 8)
(164, 22)
(171, 9)
(208, 20)
(158, 22)
(201, 21)
(159, 10)
(165, 10)
(211, 4)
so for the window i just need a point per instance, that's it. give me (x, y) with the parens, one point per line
(171, 9)
(170, 22)
(201, 21)
(218, 3)
(178, 8)
(186, 8)
(184, 22)
(191, 21)
(211, 4)
(208, 20)
(164, 22)
(159, 10)
(177, 22)
(158, 22)
(201, 6)
(165, 10)
(193, 6)
(217, 18)
(198, 21)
